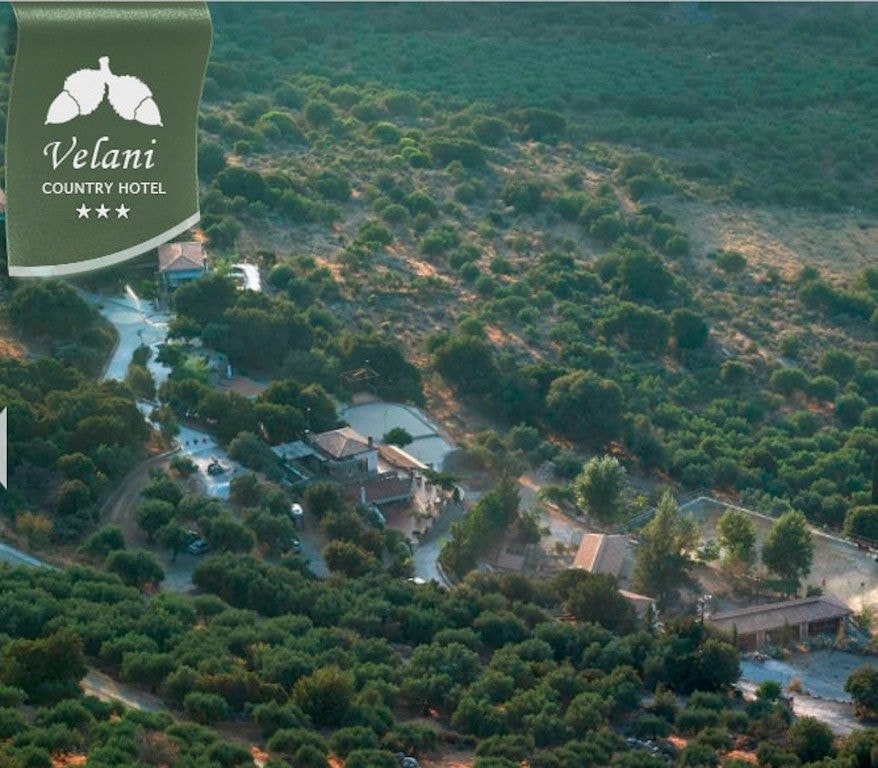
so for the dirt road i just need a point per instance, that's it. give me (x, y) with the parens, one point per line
(119, 507)
(106, 688)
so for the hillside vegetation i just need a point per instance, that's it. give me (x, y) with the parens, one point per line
(507, 216)
(596, 228)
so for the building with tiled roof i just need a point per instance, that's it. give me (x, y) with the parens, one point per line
(181, 262)
(380, 490)
(781, 623)
(343, 455)
(397, 457)
(612, 554)
(605, 553)
(343, 443)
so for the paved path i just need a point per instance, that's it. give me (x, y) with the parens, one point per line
(426, 553)
(822, 675)
(17, 557)
(136, 322)
(838, 716)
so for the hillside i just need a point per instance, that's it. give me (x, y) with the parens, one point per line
(567, 230)
(668, 203)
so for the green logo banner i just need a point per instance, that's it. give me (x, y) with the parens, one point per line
(102, 131)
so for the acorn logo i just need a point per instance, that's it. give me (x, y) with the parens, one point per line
(85, 89)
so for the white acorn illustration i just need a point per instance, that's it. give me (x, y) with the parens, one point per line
(129, 96)
(83, 92)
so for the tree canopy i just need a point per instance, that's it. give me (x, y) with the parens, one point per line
(789, 550)
(600, 488)
(663, 557)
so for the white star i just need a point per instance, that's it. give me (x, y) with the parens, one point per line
(122, 211)
(102, 211)
(83, 211)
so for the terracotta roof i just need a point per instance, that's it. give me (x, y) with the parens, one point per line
(181, 257)
(396, 456)
(757, 618)
(603, 553)
(247, 387)
(342, 443)
(380, 490)
(641, 603)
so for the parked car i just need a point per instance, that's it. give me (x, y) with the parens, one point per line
(295, 544)
(215, 468)
(198, 547)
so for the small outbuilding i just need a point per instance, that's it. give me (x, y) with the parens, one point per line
(612, 554)
(781, 623)
(605, 553)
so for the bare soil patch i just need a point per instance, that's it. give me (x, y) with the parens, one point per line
(456, 759)
(10, 344)
(838, 245)
(839, 567)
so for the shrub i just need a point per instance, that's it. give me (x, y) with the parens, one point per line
(440, 240)
(786, 381)
(206, 708)
(693, 720)
(490, 130)
(319, 113)
(445, 151)
(849, 408)
(386, 133)
(374, 234)
(731, 262)
(523, 194)
(346, 740)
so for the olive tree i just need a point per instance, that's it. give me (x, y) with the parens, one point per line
(600, 488)
(789, 550)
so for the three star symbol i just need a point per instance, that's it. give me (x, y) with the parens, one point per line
(102, 211)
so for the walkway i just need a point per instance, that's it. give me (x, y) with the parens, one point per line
(136, 322)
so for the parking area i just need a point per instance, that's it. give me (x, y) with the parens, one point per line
(207, 455)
